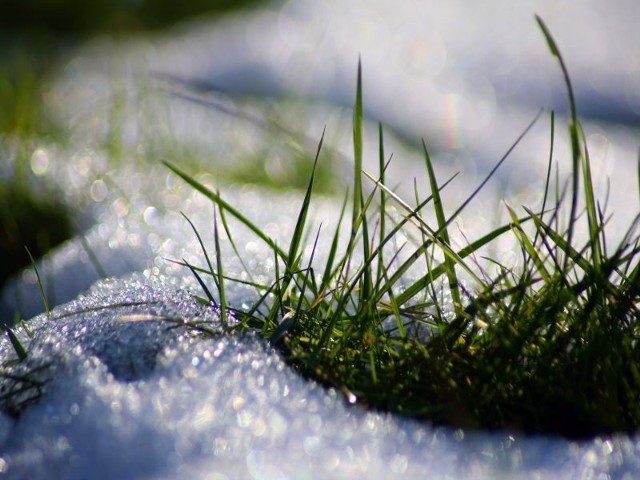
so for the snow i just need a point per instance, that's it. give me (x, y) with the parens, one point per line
(130, 391)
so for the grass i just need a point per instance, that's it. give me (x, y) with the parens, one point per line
(548, 347)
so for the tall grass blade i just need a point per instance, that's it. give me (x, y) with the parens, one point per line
(443, 233)
(573, 130)
(277, 309)
(592, 212)
(220, 276)
(547, 182)
(395, 309)
(383, 199)
(359, 217)
(301, 222)
(357, 153)
(531, 252)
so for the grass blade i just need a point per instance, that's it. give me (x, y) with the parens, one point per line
(443, 233)
(222, 204)
(203, 285)
(329, 271)
(573, 129)
(528, 245)
(296, 237)
(206, 255)
(357, 154)
(382, 166)
(359, 217)
(290, 318)
(43, 296)
(15, 342)
(220, 276)
(234, 247)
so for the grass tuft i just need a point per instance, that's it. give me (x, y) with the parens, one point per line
(550, 346)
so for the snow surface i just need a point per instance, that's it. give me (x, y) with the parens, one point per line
(129, 391)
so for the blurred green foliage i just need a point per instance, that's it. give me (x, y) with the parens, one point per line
(82, 17)
(28, 219)
(34, 34)
(24, 68)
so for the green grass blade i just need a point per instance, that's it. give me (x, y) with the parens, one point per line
(220, 275)
(222, 204)
(443, 232)
(395, 309)
(234, 247)
(43, 296)
(258, 286)
(359, 217)
(555, 51)
(203, 249)
(367, 272)
(329, 272)
(357, 154)
(383, 199)
(573, 130)
(527, 245)
(547, 182)
(593, 218)
(495, 168)
(203, 285)
(296, 238)
(15, 342)
(93, 258)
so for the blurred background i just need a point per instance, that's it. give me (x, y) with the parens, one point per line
(37, 37)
